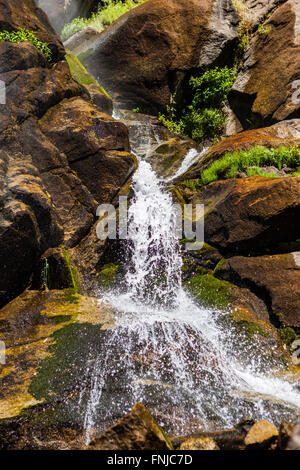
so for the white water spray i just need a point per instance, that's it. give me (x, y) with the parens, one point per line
(168, 352)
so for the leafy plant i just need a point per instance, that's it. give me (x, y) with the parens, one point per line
(204, 118)
(24, 35)
(245, 30)
(211, 89)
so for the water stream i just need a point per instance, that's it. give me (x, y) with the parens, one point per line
(168, 352)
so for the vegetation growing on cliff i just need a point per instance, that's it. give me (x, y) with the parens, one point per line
(104, 17)
(23, 35)
(251, 162)
(205, 117)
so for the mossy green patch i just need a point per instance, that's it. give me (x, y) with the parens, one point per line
(80, 74)
(220, 265)
(252, 328)
(210, 291)
(60, 373)
(287, 335)
(74, 277)
(193, 184)
(108, 274)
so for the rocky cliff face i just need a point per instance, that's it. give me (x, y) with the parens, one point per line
(61, 155)
(265, 86)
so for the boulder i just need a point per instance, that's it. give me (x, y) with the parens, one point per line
(48, 337)
(274, 278)
(153, 49)
(265, 91)
(26, 14)
(200, 443)
(262, 436)
(95, 144)
(250, 215)
(135, 431)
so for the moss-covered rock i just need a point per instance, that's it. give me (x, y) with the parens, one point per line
(108, 274)
(45, 358)
(97, 93)
(210, 291)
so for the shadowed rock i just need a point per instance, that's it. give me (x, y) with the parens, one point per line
(135, 431)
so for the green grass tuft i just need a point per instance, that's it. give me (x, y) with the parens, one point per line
(104, 17)
(251, 161)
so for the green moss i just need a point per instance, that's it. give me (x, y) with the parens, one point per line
(108, 274)
(210, 291)
(287, 335)
(193, 184)
(80, 74)
(220, 265)
(59, 373)
(252, 328)
(75, 286)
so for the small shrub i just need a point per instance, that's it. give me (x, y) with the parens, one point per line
(204, 118)
(212, 88)
(24, 35)
(78, 24)
(203, 124)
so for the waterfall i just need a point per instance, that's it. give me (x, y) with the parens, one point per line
(155, 274)
(167, 351)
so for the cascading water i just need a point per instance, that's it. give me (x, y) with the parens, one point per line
(168, 352)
